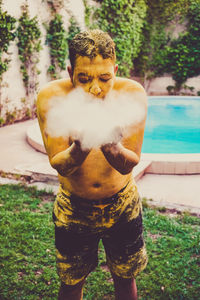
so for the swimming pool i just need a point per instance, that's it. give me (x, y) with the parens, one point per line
(173, 125)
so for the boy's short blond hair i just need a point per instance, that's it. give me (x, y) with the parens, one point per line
(91, 43)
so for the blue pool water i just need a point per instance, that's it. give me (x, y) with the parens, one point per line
(173, 125)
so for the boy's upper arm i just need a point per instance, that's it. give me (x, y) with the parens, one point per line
(135, 139)
(53, 145)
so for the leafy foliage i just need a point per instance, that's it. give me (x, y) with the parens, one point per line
(73, 28)
(29, 44)
(124, 21)
(7, 26)
(161, 52)
(183, 54)
(144, 35)
(57, 41)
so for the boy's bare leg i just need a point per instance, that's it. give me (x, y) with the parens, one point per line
(124, 288)
(71, 292)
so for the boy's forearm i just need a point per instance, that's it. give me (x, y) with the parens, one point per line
(69, 160)
(120, 158)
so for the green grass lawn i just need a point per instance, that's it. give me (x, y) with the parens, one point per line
(27, 254)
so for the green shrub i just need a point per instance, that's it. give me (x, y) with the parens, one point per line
(161, 53)
(124, 21)
(7, 26)
(29, 44)
(57, 40)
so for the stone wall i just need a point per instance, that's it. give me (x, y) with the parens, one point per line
(158, 86)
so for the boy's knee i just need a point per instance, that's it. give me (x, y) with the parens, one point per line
(69, 288)
(71, 292)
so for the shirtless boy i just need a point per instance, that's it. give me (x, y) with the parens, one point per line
(97, 198)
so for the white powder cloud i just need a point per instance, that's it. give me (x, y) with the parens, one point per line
(91, 120)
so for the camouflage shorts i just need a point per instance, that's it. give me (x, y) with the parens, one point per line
(81, 223)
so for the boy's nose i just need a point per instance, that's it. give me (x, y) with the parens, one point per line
(95, 90)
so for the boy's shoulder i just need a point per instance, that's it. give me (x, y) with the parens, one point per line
(55, 88)
(128, 85)
(132, 87)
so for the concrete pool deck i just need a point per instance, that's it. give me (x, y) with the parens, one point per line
(180, 189)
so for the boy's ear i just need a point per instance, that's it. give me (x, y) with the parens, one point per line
(116, 68)
(69, 69)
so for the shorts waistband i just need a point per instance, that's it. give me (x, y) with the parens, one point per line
(90, 202)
